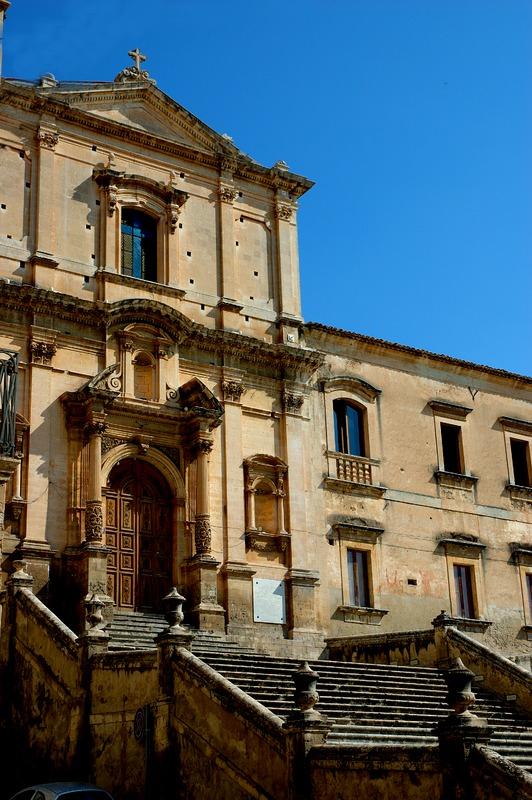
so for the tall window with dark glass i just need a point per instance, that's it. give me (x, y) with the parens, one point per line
(139, 245)
(349, 428)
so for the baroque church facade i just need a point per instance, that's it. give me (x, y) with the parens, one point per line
(178, 423)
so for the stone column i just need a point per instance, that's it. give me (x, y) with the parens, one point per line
(202, 568)
(202, 530)
(93, 509)
(93, 576)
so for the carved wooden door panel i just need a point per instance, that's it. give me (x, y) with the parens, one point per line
(139, 535)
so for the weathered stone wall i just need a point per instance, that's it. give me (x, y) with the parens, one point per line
(495, 778)
(375, 773)
(216, 724)
(43, 696)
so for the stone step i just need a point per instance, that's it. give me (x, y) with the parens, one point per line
(365, 703)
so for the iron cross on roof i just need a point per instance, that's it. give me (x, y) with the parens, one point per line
(137, 57)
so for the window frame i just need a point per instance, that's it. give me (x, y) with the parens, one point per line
(154, 255)
(361, 538)
(162, 201)
(348, 472)
(518, 430)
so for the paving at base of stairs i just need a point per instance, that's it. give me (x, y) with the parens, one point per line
(365, 703)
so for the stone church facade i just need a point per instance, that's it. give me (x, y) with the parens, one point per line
(178, 423)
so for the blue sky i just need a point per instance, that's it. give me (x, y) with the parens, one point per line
(414, 117)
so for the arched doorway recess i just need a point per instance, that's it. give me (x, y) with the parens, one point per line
(139, 533)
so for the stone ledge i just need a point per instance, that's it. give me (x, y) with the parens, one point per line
(423, 758)
(348, 487)
(138, 283)
(519, 492)
(363, 614)
(469, 624)
(455, 480)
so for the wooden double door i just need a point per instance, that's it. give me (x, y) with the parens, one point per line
(138, 532)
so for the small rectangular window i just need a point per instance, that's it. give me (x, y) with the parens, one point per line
(463, 580)
(529, 591)
(451, 442)
(357, 566)
(520, 461)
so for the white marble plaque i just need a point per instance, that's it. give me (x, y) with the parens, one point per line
(268, 601)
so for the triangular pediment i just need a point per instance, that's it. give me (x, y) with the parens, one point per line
(146, 109)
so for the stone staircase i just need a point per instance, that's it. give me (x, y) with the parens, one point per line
(134, 630)
(366, 703)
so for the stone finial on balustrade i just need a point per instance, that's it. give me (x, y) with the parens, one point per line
(305, 696)
(94, 621)
(175, 633)
(94, 638)
(458, 732)
(20, 578)
(443, 620)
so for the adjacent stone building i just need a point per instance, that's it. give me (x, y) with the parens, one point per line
(178, 423)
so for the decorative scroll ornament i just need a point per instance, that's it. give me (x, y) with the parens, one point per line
(42, 352)
(109, 379)
(292, 402)
(202, 534)
(93, 521)
(134, 73)
(172, 394)
(47, 138)
(233, 390)
(227, 194)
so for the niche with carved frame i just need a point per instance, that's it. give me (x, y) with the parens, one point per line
(266, 512)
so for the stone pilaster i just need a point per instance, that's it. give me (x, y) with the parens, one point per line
(289, 307)
(44, 243)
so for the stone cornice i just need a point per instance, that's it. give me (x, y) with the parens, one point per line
(29, 301)
(452, 410)
(320, 331)
(516, 425)
(39, 102)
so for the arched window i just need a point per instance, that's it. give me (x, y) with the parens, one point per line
(349, 431)
(139, 244)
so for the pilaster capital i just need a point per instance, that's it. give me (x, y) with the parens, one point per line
(292, 402)
(204, 447)
(233, 390)
(47, 138)
(227, 194)
(42, 352)
(283, 211)
(95, 428)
